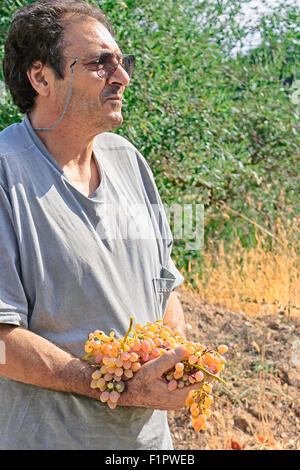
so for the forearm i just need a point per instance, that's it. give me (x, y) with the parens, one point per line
(34, 360)
(174, 316)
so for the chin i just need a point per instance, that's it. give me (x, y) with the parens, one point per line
(108, 122)
(116, 120)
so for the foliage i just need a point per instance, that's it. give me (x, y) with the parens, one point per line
(215, 127)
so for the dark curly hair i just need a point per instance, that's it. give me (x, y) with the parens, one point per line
(37, 34)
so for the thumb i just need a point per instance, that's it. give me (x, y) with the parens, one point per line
(168, 360)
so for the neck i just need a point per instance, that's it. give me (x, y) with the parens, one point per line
(72, 148)
(69, 144)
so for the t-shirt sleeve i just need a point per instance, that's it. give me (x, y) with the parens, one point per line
(155, 199)
(13, 302)
(178, 276)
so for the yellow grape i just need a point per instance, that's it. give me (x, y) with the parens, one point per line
(168, 329)
(205, 426)
(209, 399)
(117, 378)
(119, 362)
(127, 365)
(119, 371)
(199, 376)
(207, 387)
(133, 357)
(172, 385)
(199, 422)
(170, 375)
(197, 426)
(94, 383)
(102, 385)
(136, 366)
(120, 387)
(189, 401)
(88, 348)
(104, 396)
(150, 334)
(96, 375)
(118, 359)
(192, 359)
(128, 373)
(111, 362)
(194, 409)
(105, 360)
(112, 405)
(107, 377)
(178, 374)
(222, 349)
(125, 356)
(114, 396)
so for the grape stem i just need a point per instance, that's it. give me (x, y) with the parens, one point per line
(201, 391)
(128, 332)
(206, 372)
(87, 356)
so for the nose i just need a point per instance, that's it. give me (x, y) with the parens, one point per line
(120, 77)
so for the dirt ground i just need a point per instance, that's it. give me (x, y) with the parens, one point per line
(260, 406)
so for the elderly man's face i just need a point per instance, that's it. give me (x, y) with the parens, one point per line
(93, 101)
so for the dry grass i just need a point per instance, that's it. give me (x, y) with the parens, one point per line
(256, 280)
(259, 281)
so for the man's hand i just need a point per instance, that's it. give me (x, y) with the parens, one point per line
(148, 389)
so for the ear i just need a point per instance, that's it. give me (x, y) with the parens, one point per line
(37, 75)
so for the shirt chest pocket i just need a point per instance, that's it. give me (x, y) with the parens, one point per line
(163, 287)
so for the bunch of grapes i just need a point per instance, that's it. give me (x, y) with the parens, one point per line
(116, 360)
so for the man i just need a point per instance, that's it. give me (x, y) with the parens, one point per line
(64, 271)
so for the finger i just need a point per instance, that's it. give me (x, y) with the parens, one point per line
(166, 361)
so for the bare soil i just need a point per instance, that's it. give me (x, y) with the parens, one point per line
(259, 408)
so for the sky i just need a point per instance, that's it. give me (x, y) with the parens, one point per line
(251, 12)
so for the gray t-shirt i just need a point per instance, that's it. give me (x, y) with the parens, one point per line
(71, 264)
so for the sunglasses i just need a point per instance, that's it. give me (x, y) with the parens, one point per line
(108, 62)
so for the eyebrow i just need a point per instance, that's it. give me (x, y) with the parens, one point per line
(96, 55)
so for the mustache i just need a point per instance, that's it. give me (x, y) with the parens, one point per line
(110, 92)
